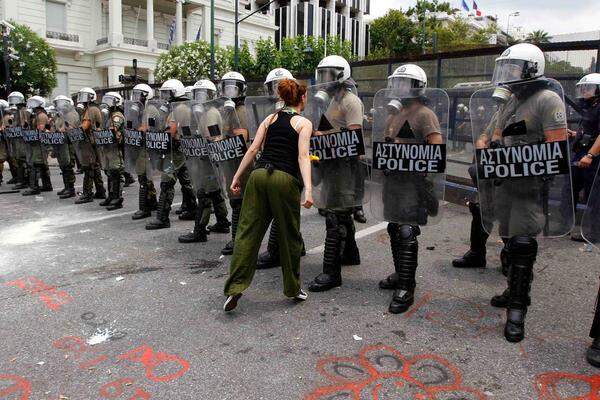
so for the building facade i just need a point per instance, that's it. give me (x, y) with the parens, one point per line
(96, 40)
(322, 18)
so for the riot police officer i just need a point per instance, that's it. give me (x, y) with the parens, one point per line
(233, 86)
(86, 149)
(64, 152)
(173, 92)
(4, 144)
(38, 165)
(135, 154)
(208, 191)
(514, 190)
(407, 116)
(334, 108)
(16, 102)
(108, 138)
(586, 145)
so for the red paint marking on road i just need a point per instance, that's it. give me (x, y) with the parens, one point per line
(52, 297)
(548, 385)
(150, 360)
(94, 362)
(422, 301)
(20, 386)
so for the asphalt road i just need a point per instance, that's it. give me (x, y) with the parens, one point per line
(95, 307)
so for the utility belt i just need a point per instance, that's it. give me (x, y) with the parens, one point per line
(583, 141)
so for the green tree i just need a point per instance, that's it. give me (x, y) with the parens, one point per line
(538, 36)
(267, 56)
(191, 61)
(34, 73)
(393, 34)
(247, 62)
(458, 34)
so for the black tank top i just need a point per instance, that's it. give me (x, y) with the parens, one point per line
(280, 149)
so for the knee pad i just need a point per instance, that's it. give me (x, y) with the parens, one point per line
(474, 209)
(167, 185)
(522, 245)
(408, 232)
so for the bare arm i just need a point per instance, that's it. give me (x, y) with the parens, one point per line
(304, 133)
(250, 154)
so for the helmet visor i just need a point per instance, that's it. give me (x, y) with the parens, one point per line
(84, 97)
(13, 100)
(62, 104)
(587, 90)
(202, 94)
(110, 100)
(403, 85)
(507, 71)
(271, 88)
(231, 88)
(329, 74)
(139, 95)
(166, 94)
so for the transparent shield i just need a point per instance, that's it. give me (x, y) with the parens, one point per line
(54, 141)
(590, 223)
(82, 145)
(258, 108)
(135, 157)
(158, 139)
(408, 156)
(226, 142)
(339, 175)
(106, 141)
(194, 146)
(523, 160)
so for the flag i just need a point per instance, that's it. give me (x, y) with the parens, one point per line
(199, 33)
(172, 33)
(465, 6)
(477, 12)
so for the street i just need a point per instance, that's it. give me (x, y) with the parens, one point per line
(96, 307)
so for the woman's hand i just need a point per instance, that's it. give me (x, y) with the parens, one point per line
(236, 187)
(585, 162)
(308, 199)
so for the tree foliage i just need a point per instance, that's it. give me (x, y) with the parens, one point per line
(191, 61)
(34, 73)
(538, 36)
(393, 34)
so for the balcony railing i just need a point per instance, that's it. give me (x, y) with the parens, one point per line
(135, 42)
(68, 37)
(164, 46)
(101, 41)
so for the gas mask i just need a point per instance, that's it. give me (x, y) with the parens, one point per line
(229, 105)
(163, 108)
(394, 106)
(81, 106)
(323, 97)
(501, 94)
(198, 109)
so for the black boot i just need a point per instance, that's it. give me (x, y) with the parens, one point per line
(222, 225)
(350, 252)
(22, 178)
(144, 209)
(116, 194)
(332, 267)
(501, 300)
(504, 258)
(88, 187)
(359, 215)
(592, 355)
(405, 250)
(128, 179)
(167, 192)
(109, 184)
(236, 208)
(63, 174)
(69, 181)
(13, 171)
(34, 187)
(270, 258)
(99, 184)
(199, 232)
(189, 204)
(45, 175)
(475, 257)
(523, 252)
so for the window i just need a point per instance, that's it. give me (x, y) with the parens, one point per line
(300, 19)
(311, 15)
(281, 20)
(367, 40)
(62, 85)
(278, 24)
(56, 17)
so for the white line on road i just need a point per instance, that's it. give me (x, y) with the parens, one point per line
(359, 235)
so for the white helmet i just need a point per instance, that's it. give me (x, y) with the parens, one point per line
(274, 77)
(3, 104)
(36, 102)
(16, 98)
(171, 88)
(588, 87)
(333, 69)
(409, 80)
(62, 102)
(112, 99)
(233, 85)
(518, 63)
(188, 92)
(86, 95)
(204, 90)
(142, 92)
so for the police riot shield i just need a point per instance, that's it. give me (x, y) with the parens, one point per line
(31, 138)
(12, 132)
(134, 146)
(158, 138)
(81, 142)
(590, 223)
(338, 176)
(523, 160)
(226, 143)
(257, 109)
(54, 140)
(408, 155)
(106, 141)
(193, 144)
